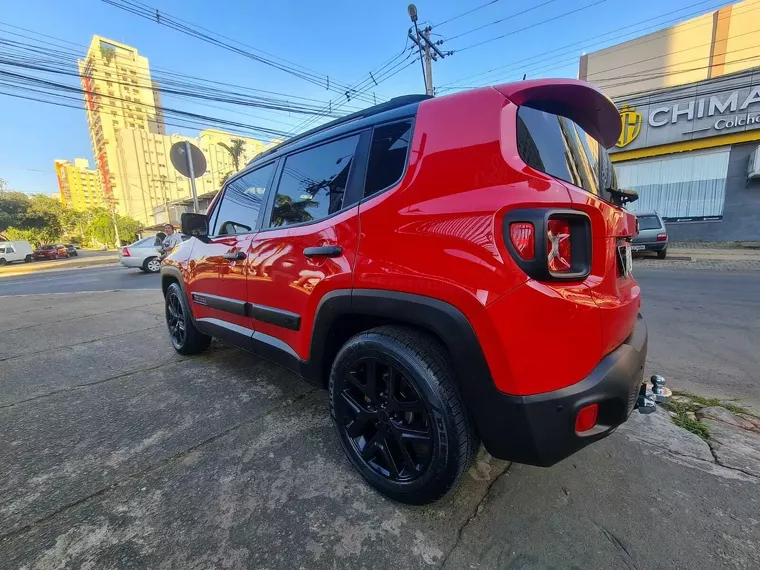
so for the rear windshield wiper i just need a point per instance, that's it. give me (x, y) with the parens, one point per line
(621, 196)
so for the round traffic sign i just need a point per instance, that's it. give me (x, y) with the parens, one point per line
(192, 164)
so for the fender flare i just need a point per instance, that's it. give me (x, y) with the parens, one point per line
(438, 317)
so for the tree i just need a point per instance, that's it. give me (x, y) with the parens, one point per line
(236, 150)
(13, 208)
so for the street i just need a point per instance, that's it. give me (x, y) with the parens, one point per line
(117, 452)
(101, 278)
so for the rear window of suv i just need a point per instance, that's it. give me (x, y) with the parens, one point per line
(649, 223)
(557, 146)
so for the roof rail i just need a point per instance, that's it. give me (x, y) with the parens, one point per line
(361, 114)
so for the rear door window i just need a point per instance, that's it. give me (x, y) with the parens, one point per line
(313, 183)
(649, 223)
(387, 156)
(557, 146)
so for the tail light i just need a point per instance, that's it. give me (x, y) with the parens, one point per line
(549, 245)
(559, 246)
(125, 252)
(662, 237)
(523, 238)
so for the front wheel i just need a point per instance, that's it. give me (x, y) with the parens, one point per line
(28, 258)
(152, 265)
(186, 339)
(3, 261)
(399, 414)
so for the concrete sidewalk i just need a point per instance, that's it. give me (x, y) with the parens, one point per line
(117, 452)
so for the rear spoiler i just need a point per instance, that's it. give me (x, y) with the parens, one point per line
(577, 100)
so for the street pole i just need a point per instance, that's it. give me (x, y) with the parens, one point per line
(429, 49)
(428, 63)
(192, 176)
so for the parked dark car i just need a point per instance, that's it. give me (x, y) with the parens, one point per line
(46, 252)
(652, 234)
(71, 248)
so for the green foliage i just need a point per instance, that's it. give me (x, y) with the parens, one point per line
(236, 150)
(684, 420)
(40, 219)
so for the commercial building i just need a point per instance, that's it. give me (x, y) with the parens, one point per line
(79, 185)
(689, 100)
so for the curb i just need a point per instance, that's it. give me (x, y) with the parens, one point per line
(28, 270)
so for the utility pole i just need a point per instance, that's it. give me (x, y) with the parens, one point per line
(426, 47)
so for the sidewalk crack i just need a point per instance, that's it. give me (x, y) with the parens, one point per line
(475, 513)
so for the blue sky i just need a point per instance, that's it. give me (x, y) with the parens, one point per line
(340, 38)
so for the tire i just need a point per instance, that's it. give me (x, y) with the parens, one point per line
(421, 424)
(3, 261)
(151, 265)
(28, 258)
(186, 339)
(662, 254)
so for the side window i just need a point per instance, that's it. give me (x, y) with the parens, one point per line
(387, 156)
(10, 249)
(239, 208)
(542, 145)
(313, 183)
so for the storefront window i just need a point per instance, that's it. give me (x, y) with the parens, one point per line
(680, 188)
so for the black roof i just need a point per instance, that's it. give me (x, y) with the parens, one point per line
(398, 107)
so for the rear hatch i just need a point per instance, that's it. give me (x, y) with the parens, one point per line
(564, 128)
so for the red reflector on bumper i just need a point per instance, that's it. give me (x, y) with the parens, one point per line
(586, 418)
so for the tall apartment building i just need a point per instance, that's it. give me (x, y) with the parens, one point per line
(79, 185)
(119, 93)
(129, 139)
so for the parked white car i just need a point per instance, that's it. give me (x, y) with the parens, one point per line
(143, 254)
(11, 251)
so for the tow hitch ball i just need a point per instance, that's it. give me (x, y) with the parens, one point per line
(649, 397)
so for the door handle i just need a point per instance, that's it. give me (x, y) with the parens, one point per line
(235, 256)
(323, 251)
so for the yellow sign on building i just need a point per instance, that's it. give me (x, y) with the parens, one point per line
(631, 125)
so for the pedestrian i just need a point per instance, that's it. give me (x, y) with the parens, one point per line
(171, 241)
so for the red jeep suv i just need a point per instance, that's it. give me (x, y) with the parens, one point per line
(453, 269)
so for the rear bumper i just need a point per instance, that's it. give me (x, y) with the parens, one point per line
(132, 261)
(540, 429)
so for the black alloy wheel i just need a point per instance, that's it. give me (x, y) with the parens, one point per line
(399, 415)
(386, 420)
(175, 320)
(186, 339)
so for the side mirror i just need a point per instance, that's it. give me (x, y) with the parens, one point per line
(195, 225)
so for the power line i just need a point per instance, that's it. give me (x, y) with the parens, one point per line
(541, 23)
(167, 20)
(514, 65)
(464, 13)
(500, 20)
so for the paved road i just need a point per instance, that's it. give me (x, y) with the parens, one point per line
(101, 278)
(116, 452)
(704, 330)
(704, 325)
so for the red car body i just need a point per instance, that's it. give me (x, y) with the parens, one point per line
(531, 348)
(47, 252)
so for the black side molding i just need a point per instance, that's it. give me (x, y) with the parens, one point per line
(273, 316)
